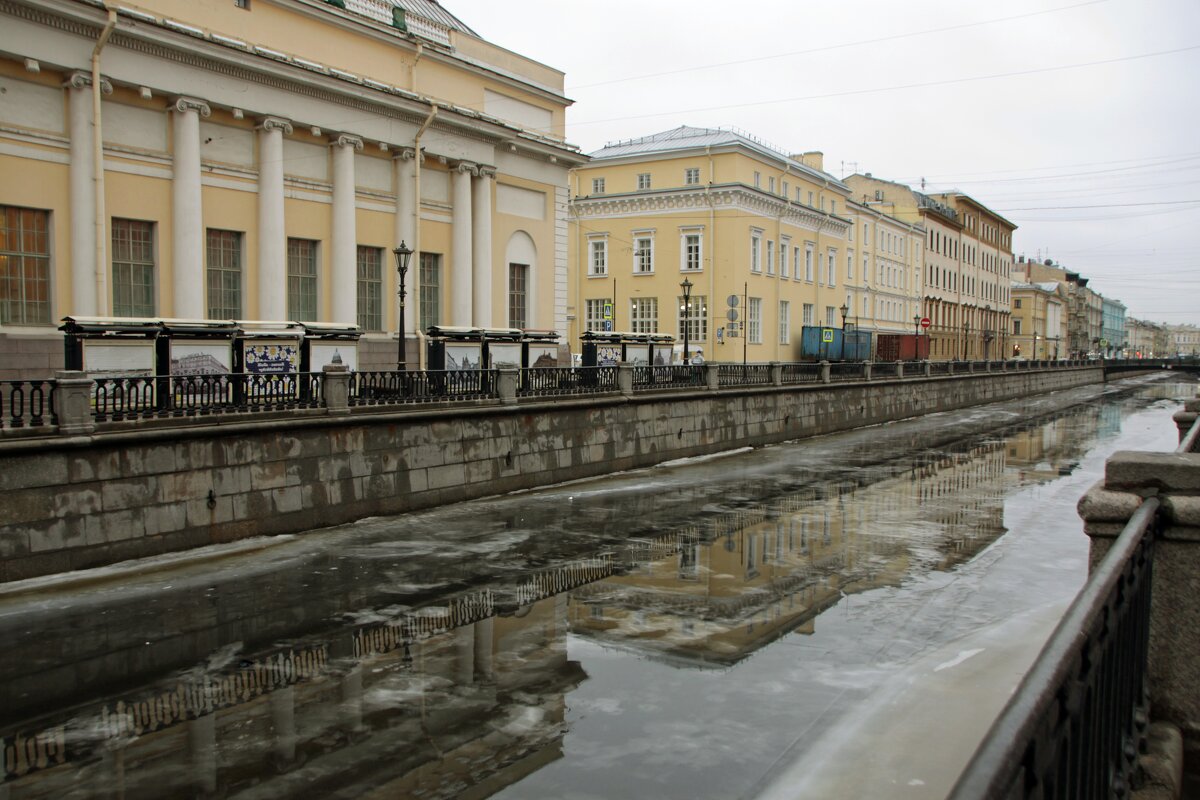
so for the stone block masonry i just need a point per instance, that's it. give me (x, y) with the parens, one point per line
(73, 502)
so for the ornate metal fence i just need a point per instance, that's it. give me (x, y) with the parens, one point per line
(1074, 727)
(743, 374)
(543, 381)
(27, 404)
(429, 386)
(117, 399)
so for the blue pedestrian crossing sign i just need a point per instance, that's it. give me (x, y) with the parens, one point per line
(608, 310)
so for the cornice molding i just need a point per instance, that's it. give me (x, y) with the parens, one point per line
(736, 198)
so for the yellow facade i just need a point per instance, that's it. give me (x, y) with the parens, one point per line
(429, 135)
(723, 212)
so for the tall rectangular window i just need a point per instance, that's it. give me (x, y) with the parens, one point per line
(643, 315)
(691, 176)
(643, 254)
(597, 258)
(808, 263)
(132, 268)
(830, 316)
(643, 180)
(302, 280)
(755, 252)
(832, 275)
(597, 185)
(24, 266)
(691, 252)
(850, 265)
(518, 295)
(754, 320)
(808, 314)
(593, 314)
(770, 256)
(785, 322)
(785, 249)
(224, 251)
(370, 288)
(431, 290)
(796, 262)
(697, 318)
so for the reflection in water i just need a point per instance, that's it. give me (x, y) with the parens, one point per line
(426, 656)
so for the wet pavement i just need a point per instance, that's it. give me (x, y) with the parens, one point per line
(835, 617)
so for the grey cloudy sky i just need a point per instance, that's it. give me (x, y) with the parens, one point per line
(1075, 119)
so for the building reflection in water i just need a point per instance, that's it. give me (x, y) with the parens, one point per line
(463, 692)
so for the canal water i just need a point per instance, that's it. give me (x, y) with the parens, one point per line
(834, 617)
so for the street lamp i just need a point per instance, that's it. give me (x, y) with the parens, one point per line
(987, 335)
(403, 253)
(686, 308)
(917, 339)
(966, 339)
(845, 309)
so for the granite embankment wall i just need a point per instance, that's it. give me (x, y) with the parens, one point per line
(71, 502)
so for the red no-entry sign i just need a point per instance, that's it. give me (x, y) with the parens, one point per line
(925, 323)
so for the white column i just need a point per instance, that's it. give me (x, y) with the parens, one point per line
(461, 297)
(481, 245)
(272, 235)
(344, 241)
(405, 166)
(82, 197)
(187, 217)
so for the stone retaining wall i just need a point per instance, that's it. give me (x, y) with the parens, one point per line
(73, 502)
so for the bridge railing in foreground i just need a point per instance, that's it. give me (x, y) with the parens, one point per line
(1077, 725)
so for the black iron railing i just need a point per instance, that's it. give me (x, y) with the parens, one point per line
(429, 386)
(1076, 724)
(743, 374)
(27, 404)
(665, 377)
(804, 372)
(149, 397)
(846, 371)
(550, 381)
(885, 369)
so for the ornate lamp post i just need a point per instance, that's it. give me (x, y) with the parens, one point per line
(845, 309)
(917, 339)
(966, 339)
(403, 253)
(686, 308)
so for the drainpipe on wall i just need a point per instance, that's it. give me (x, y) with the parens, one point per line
(98, 168)
(433, 110)
(710, 342)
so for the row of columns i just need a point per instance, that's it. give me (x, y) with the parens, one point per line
(470, 268)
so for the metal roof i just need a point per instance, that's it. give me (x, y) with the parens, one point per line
(686, 137)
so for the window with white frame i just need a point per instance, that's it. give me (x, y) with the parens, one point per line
(807, 319)
(370, 288)
(643, 180)
(832, 275)
(691, 176)
(785, 250)
(849, 265)
(771, 184)
(697, 318)
(785, 322)
(597, 256)
(830, 316)
(643, 253)
(643, 315)
(224, 269)
(691, 250)
(754, 320)
(756, 251)
(796, 262)
(593, 314)
(757, 180)
(597, 185)
(784, 190)
(808, 263)
(770, 256)
(302, 279)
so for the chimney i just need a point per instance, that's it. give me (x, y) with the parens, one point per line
(814, 159)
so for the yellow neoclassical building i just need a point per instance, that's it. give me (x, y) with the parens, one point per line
(966, 268)
(761, 237)
(260, 159)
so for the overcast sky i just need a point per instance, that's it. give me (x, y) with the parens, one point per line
(1075, 119)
